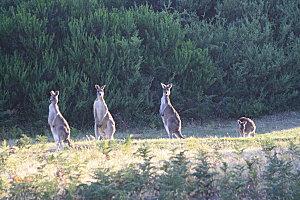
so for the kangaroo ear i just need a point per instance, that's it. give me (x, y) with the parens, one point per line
(103, 87)
(163, 85)
(57, 93)
(52, 93)
(170, 85)
(242, 122)
(97, 87)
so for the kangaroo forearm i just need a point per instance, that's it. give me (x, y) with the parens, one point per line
(99, 119)
(102, 117)
(53, 121)
(161, 113)
(95, 116)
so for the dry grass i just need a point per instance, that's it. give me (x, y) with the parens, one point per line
(80, 162)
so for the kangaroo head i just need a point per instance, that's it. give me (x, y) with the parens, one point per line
(100, 91)
(54, 97)
(242, 123)
(166, 88)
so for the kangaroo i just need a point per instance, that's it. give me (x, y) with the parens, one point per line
(169, 115)
(104, 122)
(246, 126)
(58, 124)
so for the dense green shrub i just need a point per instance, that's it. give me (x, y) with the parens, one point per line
(175, 181)
(279, 177)
(225, 58)
(205, 178)
(131, 51)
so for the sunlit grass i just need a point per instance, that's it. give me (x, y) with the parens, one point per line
(41, 162)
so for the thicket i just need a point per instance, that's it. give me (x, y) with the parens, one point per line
(226, 58)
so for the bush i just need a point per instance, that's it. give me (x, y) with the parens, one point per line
(258, 75)
(134, 182)
(225, 58)
(205, 177)
(175, 182)
(131, 51)
(24, 141)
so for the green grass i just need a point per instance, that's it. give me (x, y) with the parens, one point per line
(39, 171)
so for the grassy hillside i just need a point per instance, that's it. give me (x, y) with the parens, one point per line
(264, 167)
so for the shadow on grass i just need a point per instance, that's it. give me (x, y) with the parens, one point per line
(220, 128)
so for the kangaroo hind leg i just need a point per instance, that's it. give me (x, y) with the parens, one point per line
(97, 132)
(179, 135)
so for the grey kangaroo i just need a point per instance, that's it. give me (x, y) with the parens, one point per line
(246, 126)
(169, 115)
(58, 124)
(104, 122)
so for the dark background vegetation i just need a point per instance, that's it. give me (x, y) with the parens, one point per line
(225, 58)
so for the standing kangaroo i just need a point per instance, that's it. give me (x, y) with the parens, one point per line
(246, 126)
(59, 126)
(104, 122)
(169, 115)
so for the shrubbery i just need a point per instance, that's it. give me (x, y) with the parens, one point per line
(225, 58)
(270, 175)
(209, 178)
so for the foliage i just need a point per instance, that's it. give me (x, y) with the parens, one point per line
(225, 58)
(279, 176)
(41, 139)
(205, 177)
(174, 182)
(133, 182)
(24, 141)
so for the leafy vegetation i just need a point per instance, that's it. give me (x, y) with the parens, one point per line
(225, 58)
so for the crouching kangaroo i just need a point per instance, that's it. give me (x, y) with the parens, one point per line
(104, 122)
(59, 126)
(246, 126)
(169, 115)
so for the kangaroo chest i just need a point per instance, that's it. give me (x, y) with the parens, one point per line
(100, 108)
(164, 104)
(52, 114)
